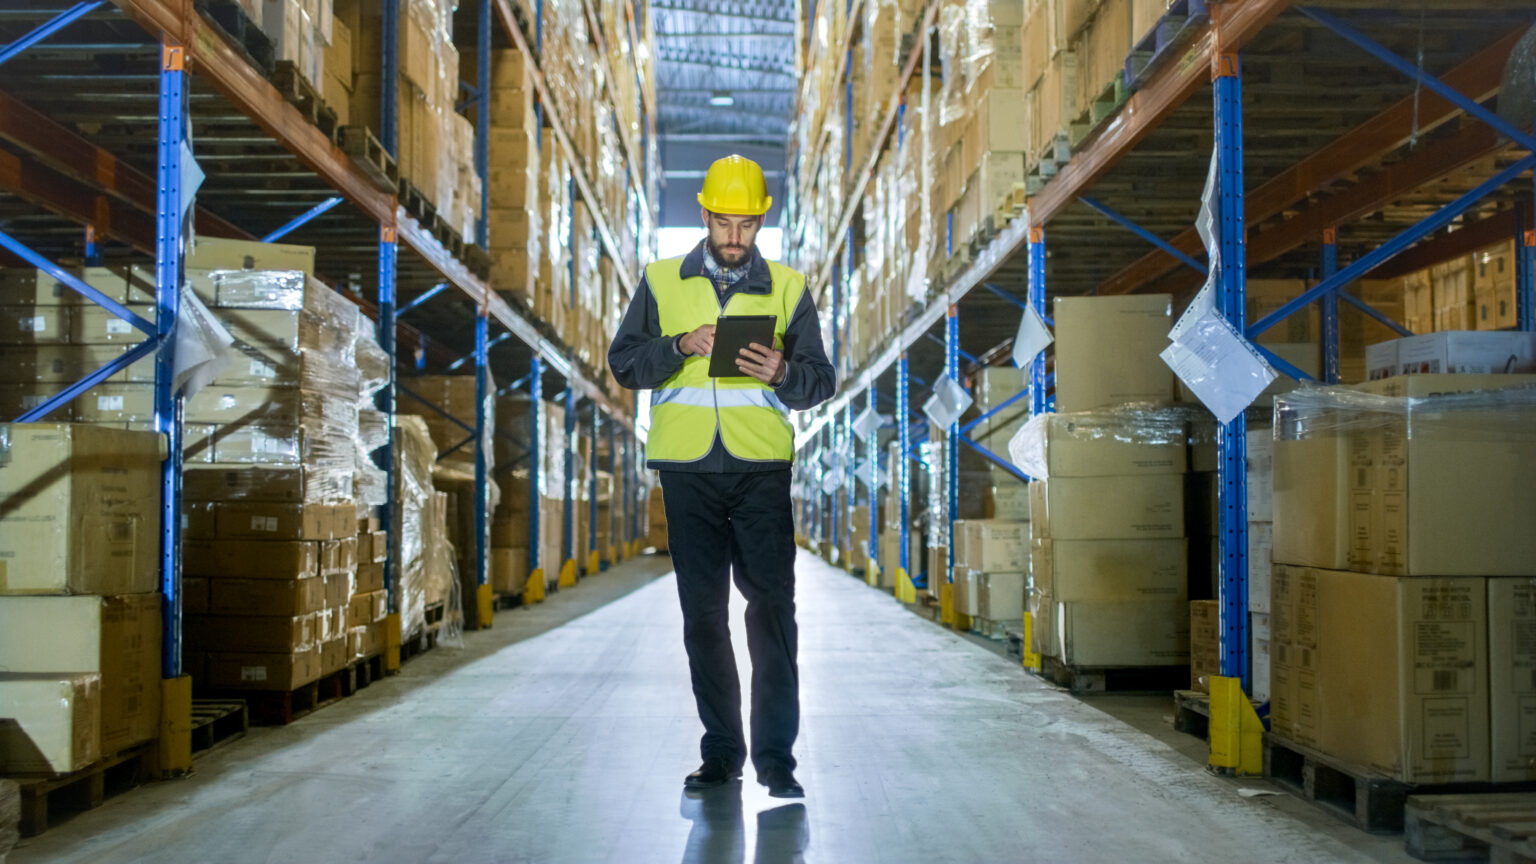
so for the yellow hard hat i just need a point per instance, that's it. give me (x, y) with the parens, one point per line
(735, 186)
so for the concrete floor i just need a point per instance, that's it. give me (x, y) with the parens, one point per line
(563, 734)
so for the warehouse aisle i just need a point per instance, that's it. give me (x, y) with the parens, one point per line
(563, 734)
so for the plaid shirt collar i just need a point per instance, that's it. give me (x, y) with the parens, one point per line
(724, 277)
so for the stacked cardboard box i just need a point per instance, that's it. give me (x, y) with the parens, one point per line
(1107, 351)
(300, 33)
(423, 559)
(1401, 516)
(81, 673)
(1493, 286)
(275, 527)
(1455, 352)
(1261, 540)
(1005, 495)
(991, 568)
(1109, 556)
(515, 220)
(656, 520)
(511, 540)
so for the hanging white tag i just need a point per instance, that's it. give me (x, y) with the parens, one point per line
(1033, 337)
(1219, 366)
(948, 402)
(868, 423)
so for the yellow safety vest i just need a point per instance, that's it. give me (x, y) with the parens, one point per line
(690, 407)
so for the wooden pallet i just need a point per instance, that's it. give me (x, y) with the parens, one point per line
(1048, 162)
(1102, 679)
(86, 789)
(370, 155)
(990, 629)
(1192, 713)
(416, 204)
(1163, 42)
(229, 18)
(1498, 828)
(302, 94)
(216, 722)
(1103, 106)
(1364, 798)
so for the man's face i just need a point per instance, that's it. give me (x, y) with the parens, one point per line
(731, 237)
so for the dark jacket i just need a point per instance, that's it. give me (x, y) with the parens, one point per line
(642, 357)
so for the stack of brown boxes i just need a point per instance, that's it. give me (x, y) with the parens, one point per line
(1403, 550)
(515, 220)
(991, 568)
(1493, 286)
(81, 673)
(1109, 557)
(511, 540)
(271, 525)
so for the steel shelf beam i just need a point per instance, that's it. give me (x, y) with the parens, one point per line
(1477, 77)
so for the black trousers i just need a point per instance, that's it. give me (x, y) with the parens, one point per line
(717, 523)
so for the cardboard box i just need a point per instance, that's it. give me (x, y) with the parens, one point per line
(370, 577)
(966, 591)
(117, 404)
(1260, 472)
(194, 595)
(509, 569)
(260, 483)
(993, 546)
(218, 253)
(277, 597)
(1107, 351)
(999, 596)
(238, 520)
(1467, 353)
(259, 633)
(1311, 519)
(1101, 445)
(256, 671)
(1512, 679)
(1204, 643)
(82, 510)
(1103, 570)
(1441, 488)
(1120, 634)
(1381, 360)
(1109, 508)
(34, 325)
(1402, 680)
(117, 638)
(52, 722)
(1009, 502)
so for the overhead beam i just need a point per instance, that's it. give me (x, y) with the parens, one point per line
(45, 187)
(1446, 245)
(1366, 144)
(59, 147)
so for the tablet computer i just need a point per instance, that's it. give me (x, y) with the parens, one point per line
(733, 333)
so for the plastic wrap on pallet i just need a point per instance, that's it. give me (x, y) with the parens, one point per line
(1143, 423)
(369, 481)
(414, 456)
(1498, 415)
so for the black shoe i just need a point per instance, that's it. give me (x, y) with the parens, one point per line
(780, 782)
(714, 772)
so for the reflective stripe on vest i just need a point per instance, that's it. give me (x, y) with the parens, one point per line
(690, 407)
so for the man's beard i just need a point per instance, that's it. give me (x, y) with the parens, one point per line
(728, 259)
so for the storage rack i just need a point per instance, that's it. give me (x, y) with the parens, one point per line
(84, 186)
(1307, 188)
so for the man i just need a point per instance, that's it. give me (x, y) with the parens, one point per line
(723, 447)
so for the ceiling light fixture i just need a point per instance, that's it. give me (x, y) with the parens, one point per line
(722, 98)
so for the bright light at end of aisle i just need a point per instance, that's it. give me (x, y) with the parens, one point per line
(676, 242)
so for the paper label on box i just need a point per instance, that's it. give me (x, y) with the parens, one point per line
(33, 325)
(253, 673)
(109, 403)
(261, 369)
(264, 523)
(33, 400)
(117, 326)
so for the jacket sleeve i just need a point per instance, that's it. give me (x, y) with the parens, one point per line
(641, 356)
(809, 378)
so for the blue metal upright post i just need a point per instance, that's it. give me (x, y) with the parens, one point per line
(951, 447)
(615, 495)
(1232, 437)
(903, 478)
(1526, 277)
(873, 486)
(482, 471)
(388, 256)
(1330, 308)
(850, 475)
(1037, 385)
(568, 530)
(535, 472)
(168, 404)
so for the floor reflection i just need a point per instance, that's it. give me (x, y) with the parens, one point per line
(718, 835)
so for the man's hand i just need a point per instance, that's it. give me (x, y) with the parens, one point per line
(699, 342)
(764, 364)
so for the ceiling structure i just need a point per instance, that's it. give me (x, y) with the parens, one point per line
(710, 53)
